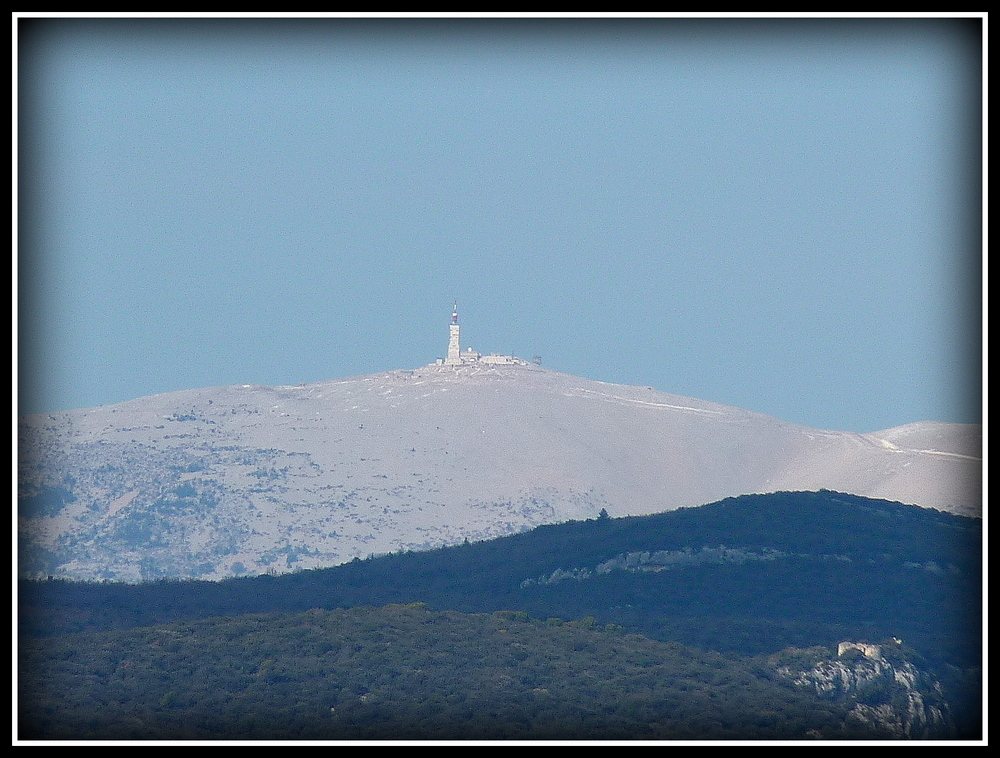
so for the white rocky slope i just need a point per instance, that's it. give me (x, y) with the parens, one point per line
(247, 479)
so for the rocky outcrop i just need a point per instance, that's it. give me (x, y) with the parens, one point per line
(883, 690)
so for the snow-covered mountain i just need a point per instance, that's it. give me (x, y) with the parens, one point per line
(249, 479)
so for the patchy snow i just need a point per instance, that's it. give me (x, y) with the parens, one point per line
(279, 478)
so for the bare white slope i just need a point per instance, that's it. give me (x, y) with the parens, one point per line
(247, 478)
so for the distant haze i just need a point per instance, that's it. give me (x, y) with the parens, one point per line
(779, 215)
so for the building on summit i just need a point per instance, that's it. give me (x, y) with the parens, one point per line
(457, 357)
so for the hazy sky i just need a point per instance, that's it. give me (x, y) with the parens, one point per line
(781, 215)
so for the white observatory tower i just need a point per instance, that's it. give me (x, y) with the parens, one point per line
(454, 350)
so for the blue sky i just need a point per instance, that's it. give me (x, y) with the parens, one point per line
(781, 215)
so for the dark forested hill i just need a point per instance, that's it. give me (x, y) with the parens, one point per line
(747, 576)
(407, 672)
(797, 562)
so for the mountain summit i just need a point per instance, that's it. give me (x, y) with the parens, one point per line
(248, 479)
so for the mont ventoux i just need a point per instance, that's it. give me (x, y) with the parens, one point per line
(248, 479)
